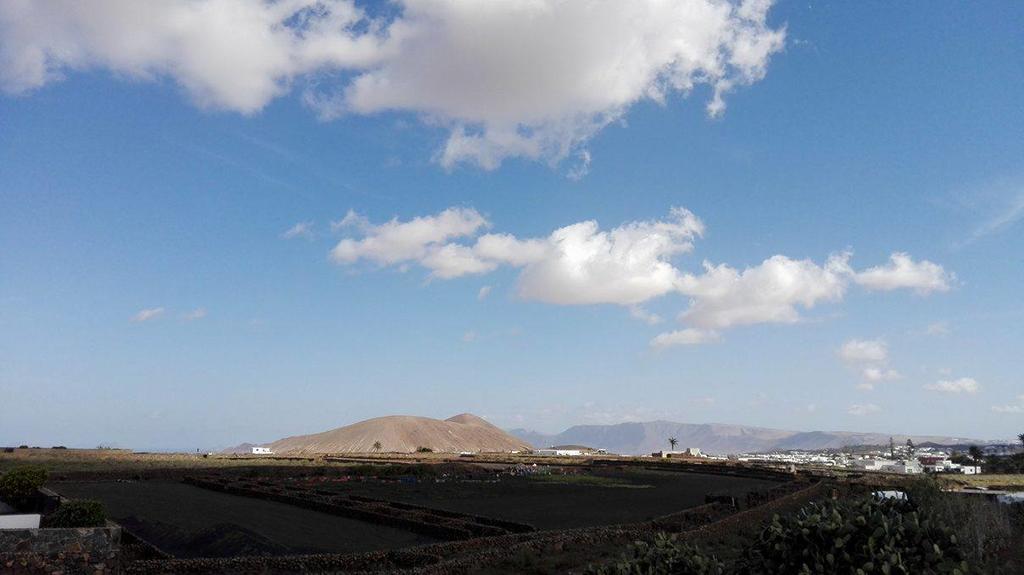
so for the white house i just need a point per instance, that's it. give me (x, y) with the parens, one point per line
(262, 451)
(688, 452)
(907, 467)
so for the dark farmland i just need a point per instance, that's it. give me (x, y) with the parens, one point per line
(594, 498)
(188, 521)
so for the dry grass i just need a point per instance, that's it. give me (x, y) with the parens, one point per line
(114, 460)
(992, 481)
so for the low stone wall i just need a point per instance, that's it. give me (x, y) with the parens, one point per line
(91, 550)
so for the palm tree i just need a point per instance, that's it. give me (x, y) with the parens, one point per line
(673, 441)
(377, 446)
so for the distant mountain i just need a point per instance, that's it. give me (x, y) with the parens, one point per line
(404, 433)
(716, 438)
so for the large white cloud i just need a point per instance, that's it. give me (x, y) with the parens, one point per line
(230, 54)
(770, 292)
(583, 264)
(627, 265)
(533, 78)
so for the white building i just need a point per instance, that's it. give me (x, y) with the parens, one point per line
(688, 452)
(906, 467)
(262, 451)
(944, 465)
(554, 451)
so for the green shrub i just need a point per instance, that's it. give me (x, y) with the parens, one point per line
(21, 483)
(858, 536)
(664, 556)
(77, 513)
(424, 450)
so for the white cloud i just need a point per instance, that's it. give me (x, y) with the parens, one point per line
(198, 313)
(299, 230)
(628, 265)
(862, 409)
(229, 54)
(860, 350)
(148, 314)
(576, 264)
(937, 328)
(687, 336)
(870, 357)
(877, 374)
(960, 385)
(483, 293)
(454, 260)
(507, 78)
(767, 293)
(1016, 407)
(902, 272)
(419, 239)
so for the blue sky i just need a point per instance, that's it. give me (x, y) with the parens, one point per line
(151, 295)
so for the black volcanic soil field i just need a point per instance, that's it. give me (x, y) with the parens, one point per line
(188, 521)
(598, 497)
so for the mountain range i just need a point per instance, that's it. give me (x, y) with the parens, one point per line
(715, 438)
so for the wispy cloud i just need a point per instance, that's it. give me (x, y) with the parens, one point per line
(862, 409)
(483, 293)
(640, 313)
(960, 385)
(871, 358)
(1015, 407)
(299, 230)
(198, 313)
(148, 314)
(937, 328)
(1004, 219)
(998, 205)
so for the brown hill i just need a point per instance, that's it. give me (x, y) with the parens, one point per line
(405, 433)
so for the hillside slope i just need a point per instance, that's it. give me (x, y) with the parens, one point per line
(405, 433)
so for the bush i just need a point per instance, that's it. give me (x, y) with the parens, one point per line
(859, 536)
(984, 528)
(77, 513)
(21, 483)
(664, 556)
(424, 450)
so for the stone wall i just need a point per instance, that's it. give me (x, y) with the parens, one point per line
(93, 550)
